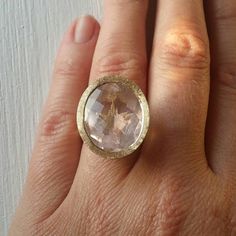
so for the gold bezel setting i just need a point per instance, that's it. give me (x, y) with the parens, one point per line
(145, 116)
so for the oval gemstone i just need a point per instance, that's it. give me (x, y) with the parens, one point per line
(113, 117)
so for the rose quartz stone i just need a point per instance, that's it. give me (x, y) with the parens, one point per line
(113, 117)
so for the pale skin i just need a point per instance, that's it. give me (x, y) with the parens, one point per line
(182, 181)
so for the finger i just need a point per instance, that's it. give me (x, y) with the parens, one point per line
(179, 81)
(56, 153)
(221, 129)
(121, 51)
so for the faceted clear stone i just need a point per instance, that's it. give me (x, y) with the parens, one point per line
(113, 117)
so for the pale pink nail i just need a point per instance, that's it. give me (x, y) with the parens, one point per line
(85, 29)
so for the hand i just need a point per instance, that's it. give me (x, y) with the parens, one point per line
(183, 179)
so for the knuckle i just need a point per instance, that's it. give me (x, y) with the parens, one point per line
(106, 213)
(121, 62)
(56, 122)
(100, 218)
(170, 210)
(67, 68)
(184, 50)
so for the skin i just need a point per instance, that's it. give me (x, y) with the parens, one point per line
(182, 181)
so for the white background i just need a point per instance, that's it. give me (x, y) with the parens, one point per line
(30, 32)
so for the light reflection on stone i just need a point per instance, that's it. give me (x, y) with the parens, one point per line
(113, 117)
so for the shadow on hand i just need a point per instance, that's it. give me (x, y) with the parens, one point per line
(150, 25)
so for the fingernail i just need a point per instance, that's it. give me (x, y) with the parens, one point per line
(84, 30)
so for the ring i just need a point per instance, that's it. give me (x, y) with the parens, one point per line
(113, 117)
